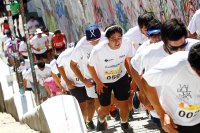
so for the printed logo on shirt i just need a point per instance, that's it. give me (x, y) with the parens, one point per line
(183, 92)
(107, 60)
(121, 56)
(112, 66)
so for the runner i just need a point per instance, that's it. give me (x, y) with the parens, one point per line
(59, 42)
(79, 58)
(173, 34)
(39, 45)
(32, 25)
(108, 70)
(177, 77)
(15, 8)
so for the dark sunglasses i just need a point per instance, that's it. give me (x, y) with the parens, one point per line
(175, 48)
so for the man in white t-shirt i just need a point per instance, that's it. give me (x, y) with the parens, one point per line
(109, 71)
(193, 27)
(42, 71)
(138, 34)
(32, 25)
(23, 49)
(39, 45)
(76, 87)
(174, 39)
(50, 52)
(177, 79)
(79, 58)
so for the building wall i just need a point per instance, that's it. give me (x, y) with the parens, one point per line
(71, 16)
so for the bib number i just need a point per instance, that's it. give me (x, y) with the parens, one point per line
(186, 115)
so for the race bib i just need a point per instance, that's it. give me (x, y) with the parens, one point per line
(14, 12)
(187, 114)
(113, 74)
(41, 47)
(59, 44)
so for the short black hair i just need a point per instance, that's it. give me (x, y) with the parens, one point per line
(154, 24)
(41, 64)
(113, 29)
(144, 19)
(194, 56)
(57, 31)
(32, 17)
(173, 30)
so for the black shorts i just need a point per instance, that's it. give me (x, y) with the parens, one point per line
(121, 89)
(39, 56)
(189, 129)
(59, 50)
(15, 16)
(80, 94)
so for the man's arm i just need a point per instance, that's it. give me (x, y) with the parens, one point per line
(99, 84)
(70, 84)
(167, 123)
(77, 72)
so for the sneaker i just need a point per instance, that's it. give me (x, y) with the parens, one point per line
(130, 117)
(126, 128)
(117, 118)
(90, 126)
(101, 126)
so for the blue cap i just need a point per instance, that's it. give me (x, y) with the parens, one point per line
(92, 32)
(150, 32)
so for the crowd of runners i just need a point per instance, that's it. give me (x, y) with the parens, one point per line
(158, 62)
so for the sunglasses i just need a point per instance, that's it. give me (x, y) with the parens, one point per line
(175, 48)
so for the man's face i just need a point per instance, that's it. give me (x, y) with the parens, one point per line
(94, 41)
(144, 31)
(115, 41)
(39, 35)
(155, 37)
(174, 46)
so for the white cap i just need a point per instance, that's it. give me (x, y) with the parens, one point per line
(38, 31)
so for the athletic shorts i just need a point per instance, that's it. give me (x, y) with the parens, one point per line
(16, 16)
(189, 129)
(121, 89)
(80, 94)
(39, 56)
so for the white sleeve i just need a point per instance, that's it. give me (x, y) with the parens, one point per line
(131, 50)
(76, 55)
(136, 63)
(159, 75)
(192, 27)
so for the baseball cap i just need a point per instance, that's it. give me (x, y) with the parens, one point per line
(150, 32)
(38, 31)
(92, 32)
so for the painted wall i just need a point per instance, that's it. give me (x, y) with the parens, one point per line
(71, 16)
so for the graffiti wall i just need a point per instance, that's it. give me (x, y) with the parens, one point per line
(71, 16)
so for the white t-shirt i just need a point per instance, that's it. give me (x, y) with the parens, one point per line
(81, 54)
(54, 68)
(148, 58)
(40, 75)
(49, 37)
(26, 65)
(23, 47)
(5, 39)
(194, 23)
(180, 87)
(135, 36)
(39, 43)
(64, 61)
(32, 26)
(108, 63)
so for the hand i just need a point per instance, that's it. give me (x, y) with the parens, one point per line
(88, 83)
(37, 49)
(99, 87)
(168, 124)
(70, 84)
